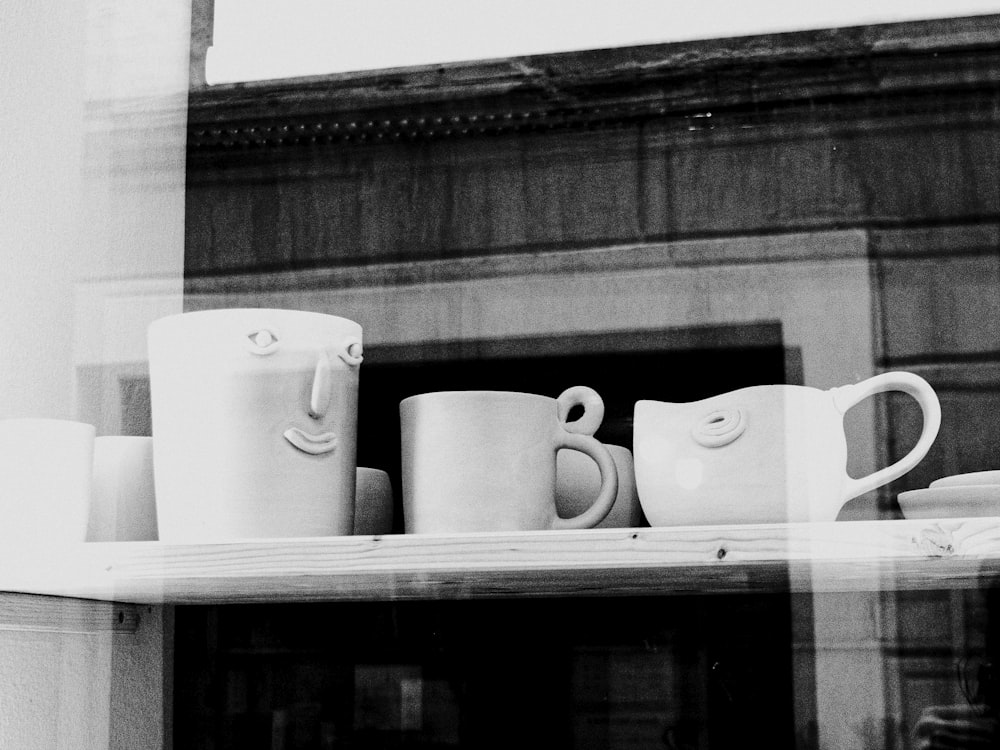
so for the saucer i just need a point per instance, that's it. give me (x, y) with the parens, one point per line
(965, 501)
(966, 480)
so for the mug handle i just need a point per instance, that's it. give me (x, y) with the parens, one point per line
(593, 409)
(914, 385)
(609, 480)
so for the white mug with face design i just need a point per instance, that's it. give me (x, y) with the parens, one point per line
(764, 454)
(255, 423)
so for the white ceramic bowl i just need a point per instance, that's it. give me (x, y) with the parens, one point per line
(971, 501)
(965, 480)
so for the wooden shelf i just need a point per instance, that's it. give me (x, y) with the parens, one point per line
(845, 556)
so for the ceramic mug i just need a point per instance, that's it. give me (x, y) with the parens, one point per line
(486, 460)
(765, 454)
(255, 423)
(578, 480)
(123, 507)
(373, 504)
(46, 473)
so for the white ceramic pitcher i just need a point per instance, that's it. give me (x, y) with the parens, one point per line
(765, 454)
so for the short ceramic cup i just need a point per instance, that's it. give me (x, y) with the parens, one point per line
(373, 509)
(123, 507)
(486, 460)
(578, 480)
(46, 471)
(255, 423)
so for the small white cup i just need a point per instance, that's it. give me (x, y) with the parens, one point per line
(123, 507)
(373, 509)
(46, 470)
(486, 460)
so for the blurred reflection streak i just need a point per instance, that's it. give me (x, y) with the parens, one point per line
(975, 724)
(959, 726)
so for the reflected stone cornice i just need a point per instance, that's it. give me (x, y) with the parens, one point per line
(890, 70)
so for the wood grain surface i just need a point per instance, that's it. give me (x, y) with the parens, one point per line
(825, 557)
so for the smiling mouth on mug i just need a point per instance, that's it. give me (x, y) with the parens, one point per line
(324, 442)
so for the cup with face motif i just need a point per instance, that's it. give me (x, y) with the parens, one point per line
(764, 454)
(255, 423)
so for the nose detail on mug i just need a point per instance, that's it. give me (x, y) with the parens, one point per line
(319, 400)
(720, 427)
(316, 444)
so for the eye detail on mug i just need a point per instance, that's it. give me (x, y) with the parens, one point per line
(352, 352)
(719, 428)
(262, 342)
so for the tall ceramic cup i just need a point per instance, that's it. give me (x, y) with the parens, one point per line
(486, 460)
(46, 475)
(766, 454)
(254, 423)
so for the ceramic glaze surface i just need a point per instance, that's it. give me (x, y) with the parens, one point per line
(486, 461)
(46, 473)
(578, 481)
(373, 504)
(255, 423)
(965, 480)
(123, 507)
(951, 501)
(766, 454)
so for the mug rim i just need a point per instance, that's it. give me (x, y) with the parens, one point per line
(46, 420)
(234, 312)
(451, 394)
(729, 394)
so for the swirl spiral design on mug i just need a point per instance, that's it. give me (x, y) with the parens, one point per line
(720, 427)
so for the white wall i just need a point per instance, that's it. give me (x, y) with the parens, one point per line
(41, 85)
(91, 180)
(259, 39)
(93, 115)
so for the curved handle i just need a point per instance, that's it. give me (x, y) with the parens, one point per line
(914, 385)
(593, 409)
(600, 508)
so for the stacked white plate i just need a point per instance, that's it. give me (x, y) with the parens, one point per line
(957, 496)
